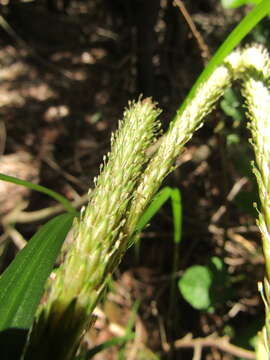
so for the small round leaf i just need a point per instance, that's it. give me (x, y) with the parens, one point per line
(195, 286)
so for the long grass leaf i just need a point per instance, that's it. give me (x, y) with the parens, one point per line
(61, 199)
(177, 214)
(240, 31)
(21, 285)
(162, 196)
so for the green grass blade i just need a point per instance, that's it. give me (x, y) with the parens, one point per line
(21, 285)
(241, 30)
(129, 333)
(116, 341)
(61, 199)
(131, 320)
(177, 214)
(161, 197)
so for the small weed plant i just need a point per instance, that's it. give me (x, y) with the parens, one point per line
(123, 201)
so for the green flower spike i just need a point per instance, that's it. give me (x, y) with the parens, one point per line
(256, 90)
(98, 236)
(125, 187)
(179, 133)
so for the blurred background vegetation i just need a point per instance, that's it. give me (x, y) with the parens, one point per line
(67, 70)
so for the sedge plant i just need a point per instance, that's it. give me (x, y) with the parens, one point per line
(72, 299)
(110, 223)
(115, 206)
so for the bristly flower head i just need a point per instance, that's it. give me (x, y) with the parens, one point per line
(99, 240)
(256, 91)
(98, 233)
(128, 182)
(179, 133)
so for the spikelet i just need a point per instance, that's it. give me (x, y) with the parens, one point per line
(179, 133)
(82, 278)
(125, 188)
(256, 90)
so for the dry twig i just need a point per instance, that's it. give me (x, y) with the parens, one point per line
(205, 53)
(221, 343)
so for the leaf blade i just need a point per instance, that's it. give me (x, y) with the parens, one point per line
(21, 285)
(61, 199)
(161, 197)
(195, 285)
(234, 38)
(177, 214)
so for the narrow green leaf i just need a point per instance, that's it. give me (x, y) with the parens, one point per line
(161, 197)
(234, 38)
(61, 199)
(177, 214)
(116, 341)
(21, 285)
(176, 202)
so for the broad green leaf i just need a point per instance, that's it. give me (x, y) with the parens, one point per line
(61, 199)
(22, 284)
(195, 286)
(205, 286)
